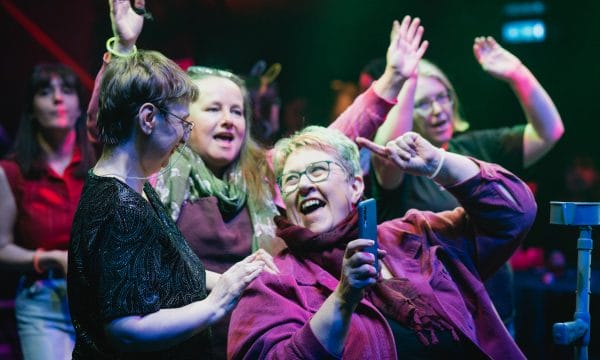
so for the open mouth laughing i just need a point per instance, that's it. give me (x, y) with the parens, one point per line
(310, 205)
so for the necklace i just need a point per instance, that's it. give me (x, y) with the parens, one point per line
(164, 170)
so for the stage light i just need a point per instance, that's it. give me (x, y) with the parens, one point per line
(524, 31)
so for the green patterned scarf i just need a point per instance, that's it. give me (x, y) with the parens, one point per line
(189, 180)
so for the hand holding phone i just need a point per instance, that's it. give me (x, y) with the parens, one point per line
(367, 226)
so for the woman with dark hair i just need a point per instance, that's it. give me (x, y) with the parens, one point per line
(40, 185)
(136, 288)
(220, 190)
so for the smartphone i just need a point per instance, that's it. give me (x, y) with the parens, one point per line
(367, 226)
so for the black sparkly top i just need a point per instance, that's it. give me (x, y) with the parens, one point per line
(127, 258)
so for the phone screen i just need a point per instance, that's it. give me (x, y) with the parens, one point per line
(367, 225)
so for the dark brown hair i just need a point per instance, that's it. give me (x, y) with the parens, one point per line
(130, 82)
(27, 151)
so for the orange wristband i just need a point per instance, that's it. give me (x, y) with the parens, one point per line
(36, 260)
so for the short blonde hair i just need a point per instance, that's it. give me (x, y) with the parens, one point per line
(319, 138)
(428, 69)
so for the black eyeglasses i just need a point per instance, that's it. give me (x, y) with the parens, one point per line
(315, 172)
(187, 125)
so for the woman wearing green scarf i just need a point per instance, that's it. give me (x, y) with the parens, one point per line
(221, 190)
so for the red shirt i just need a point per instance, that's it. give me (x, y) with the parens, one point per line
(45, 206)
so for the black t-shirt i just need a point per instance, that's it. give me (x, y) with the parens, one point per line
(127, 258)
(502, 146)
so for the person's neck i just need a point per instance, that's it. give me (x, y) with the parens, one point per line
(57, 147)
(124, 163)
(218, 171)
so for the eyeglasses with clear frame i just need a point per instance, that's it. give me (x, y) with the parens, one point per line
(316, 172)
(425, 105)
(187, 125)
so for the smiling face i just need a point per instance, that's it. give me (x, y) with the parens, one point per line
(220, 124)
(320, 206)
(434, 118)
(56, 106)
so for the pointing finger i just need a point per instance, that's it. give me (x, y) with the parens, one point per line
(375, 148)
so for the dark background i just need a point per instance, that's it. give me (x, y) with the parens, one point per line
(320, 40)
(317, 41)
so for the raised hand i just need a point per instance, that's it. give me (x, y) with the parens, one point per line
(403, 55)
(494, 59)
(126, 23)
(410, 152)
(406, 49)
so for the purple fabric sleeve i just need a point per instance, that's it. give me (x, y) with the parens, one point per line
(92, 110)
(367, 112)
(500, 210)
(272, 321)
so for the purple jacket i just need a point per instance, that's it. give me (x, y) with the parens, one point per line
(272, 318)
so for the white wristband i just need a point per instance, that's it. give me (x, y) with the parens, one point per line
(440, 164)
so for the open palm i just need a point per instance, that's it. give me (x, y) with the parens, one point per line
(494, 59)
(406, 49)
(126, 23)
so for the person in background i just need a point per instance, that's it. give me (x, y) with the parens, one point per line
(224, 184)
(136, 288)
(265, 101)
(427, 302)
(40, 186)
(429, 106)
(220, 190)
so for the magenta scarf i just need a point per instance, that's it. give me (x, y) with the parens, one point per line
(325, 249)
(412, 305)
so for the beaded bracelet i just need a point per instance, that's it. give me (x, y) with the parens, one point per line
(110, 48)
(36, 260)
(440, 164)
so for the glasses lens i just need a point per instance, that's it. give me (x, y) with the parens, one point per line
(187, 125)
(425, 106)
(289, 182)
(443, 98)
(318, 171)
(315, 172)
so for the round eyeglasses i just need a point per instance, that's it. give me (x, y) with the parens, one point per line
(315, 172)
(425, 105)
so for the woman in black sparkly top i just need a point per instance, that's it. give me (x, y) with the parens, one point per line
(136, 289)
